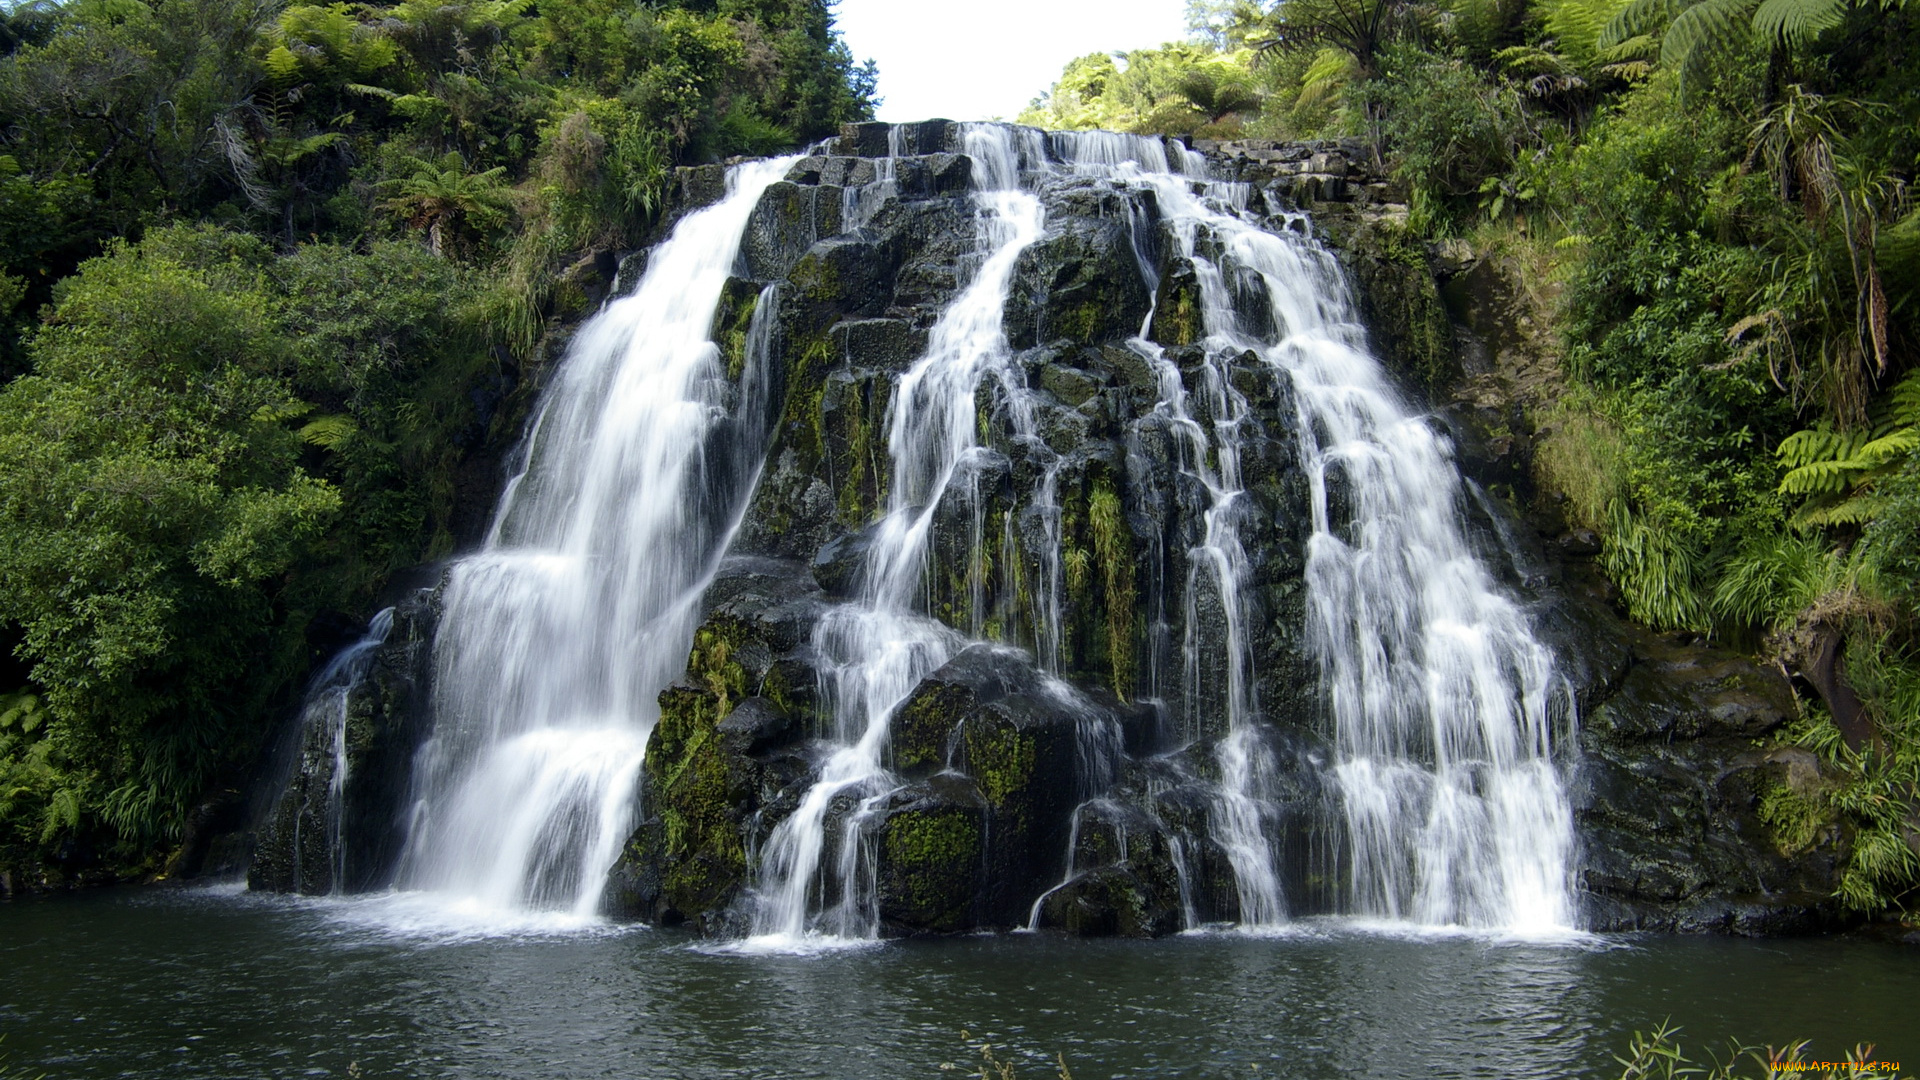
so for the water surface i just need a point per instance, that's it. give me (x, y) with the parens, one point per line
(209, 984)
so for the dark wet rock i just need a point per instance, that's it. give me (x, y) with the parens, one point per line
(385, 716)
(930, 857)
(837, 566)
(728, 739)
(755, 726)
(929, 726)
(789, 220)
(1668, 793)
(1082, 281)
(927, 137)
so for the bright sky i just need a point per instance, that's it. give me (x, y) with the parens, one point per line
(977, 59)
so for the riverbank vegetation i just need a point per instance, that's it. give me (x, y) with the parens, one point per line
(1708, 203)
(271, 275)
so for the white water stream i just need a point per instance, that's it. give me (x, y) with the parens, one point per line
(877, 649)
(1444, 706)
(558, 636)
(1453, 807)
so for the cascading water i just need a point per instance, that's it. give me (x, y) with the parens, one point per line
(1443, 704)
(315, 854)
(1452, 807)
(878, 648)
(558, 636)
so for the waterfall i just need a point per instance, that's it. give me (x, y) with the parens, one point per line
(1443, 719)
(877, 649)
(559, 634)
(1444, 706)
(308, 863)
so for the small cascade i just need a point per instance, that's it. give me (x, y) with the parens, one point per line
(877, 649)
(304, 849)
(1443, 704)
(1442, 707)
(559, 634)
(859, 202)
(1217, 674)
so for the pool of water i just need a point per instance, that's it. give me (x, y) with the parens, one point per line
(148, 982)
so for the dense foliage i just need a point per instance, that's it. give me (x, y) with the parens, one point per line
(1708, 200)
(268, 272)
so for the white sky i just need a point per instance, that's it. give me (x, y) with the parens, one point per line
(977, 59)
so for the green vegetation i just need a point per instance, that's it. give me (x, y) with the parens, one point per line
(1706, 207)
(1651, 1055)
(269, 274)
(1658, 1054)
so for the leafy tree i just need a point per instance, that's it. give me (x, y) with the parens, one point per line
(444, 199)
(152, 502)
(1362, 29)
(266, 273)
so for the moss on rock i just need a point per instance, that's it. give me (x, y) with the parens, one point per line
(929, 865)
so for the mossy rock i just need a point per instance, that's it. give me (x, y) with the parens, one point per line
(1176, 314)
(789, 219)
(1110, 902)
(924, 726)
(700, 794)
(1082, 282)
(929, 857)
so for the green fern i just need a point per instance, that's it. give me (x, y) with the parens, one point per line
(1836, 472)
(1796, 21)
(329, 432)
(1694, 33)
(24, 710)
(1576, 26)
(1331, 72)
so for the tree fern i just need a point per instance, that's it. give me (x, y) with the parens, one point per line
(1796, 22)
(1693, 33)
(1576, 26)
(329, 432)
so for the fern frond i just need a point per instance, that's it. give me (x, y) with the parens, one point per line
(1821, 477)
(1639, 17)
(1331, 71)
(1640, 48)
(1904, 401)
(328, 432)
(1815, 445)
(1630, 70)
(1704, 28)
(1797, 22)
(1888, 447)
(1855, 511)
(281, 64)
